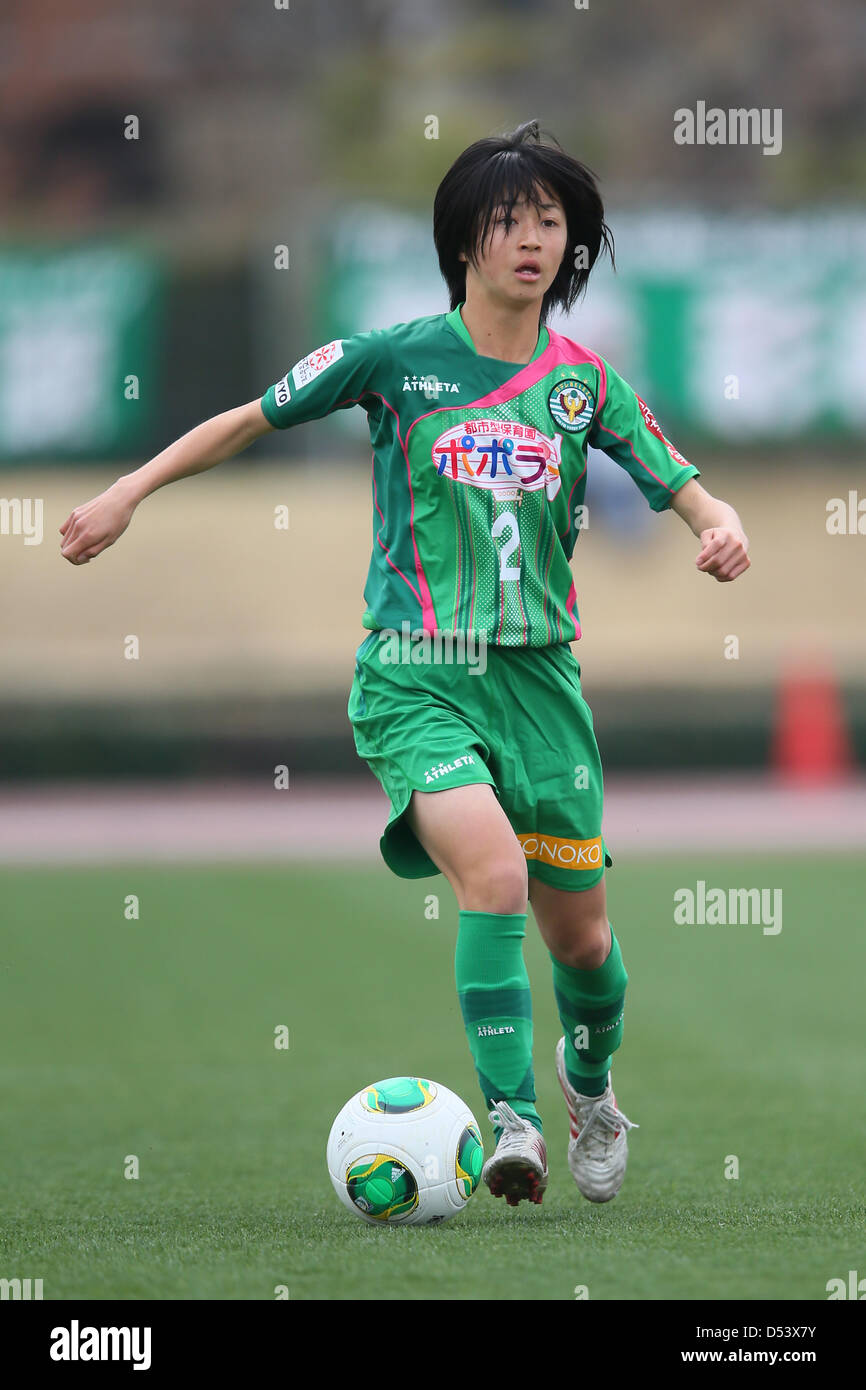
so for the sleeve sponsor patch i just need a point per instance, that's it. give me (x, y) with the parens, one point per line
(282, 394)
(649, 419)
(310, 367)
(652, 425)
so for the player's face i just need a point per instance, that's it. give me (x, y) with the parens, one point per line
(523, 254)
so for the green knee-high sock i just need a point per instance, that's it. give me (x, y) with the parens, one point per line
(591, 1006)
(493, 988)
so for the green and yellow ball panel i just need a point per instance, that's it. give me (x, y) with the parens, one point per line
(382, 1187)
(470, 1161)
(399, 1095)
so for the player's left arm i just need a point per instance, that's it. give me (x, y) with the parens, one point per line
(724, 543)
(629, 433)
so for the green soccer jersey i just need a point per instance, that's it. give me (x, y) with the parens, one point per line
(479, 471)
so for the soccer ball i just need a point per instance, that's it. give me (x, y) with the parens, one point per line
(405, 1152)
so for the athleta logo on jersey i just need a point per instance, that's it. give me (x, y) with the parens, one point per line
(571, 404)
(499, 455)
(429, 385)
(310, 367)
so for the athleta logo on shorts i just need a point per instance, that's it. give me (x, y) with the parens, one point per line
(485, 1030)
(442, 769)
(498, 455)
(567, 854)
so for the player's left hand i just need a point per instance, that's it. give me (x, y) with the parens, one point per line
(724, 554)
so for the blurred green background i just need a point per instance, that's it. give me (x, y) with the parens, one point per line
(194, 198)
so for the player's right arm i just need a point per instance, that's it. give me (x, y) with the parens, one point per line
(94, 526)
(340, 374)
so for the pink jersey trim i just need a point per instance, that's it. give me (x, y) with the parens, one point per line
(425, 598)
(667, 487)
(382, 543)
(571, 494)
(558, 347)
(571, 609)
(533, 372)
(570, 349)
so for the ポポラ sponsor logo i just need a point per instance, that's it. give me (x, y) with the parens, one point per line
(502, 456)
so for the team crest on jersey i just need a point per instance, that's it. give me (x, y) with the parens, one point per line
(310, 367)
(502, 456)
(571, 404)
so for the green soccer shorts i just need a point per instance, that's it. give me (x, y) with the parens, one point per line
(516, 719)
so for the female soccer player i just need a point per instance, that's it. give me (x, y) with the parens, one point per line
(466, 700)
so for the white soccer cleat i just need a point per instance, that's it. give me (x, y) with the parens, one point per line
(518, 1168)
(597, 1149)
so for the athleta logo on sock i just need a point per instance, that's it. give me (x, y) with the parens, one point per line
(606, 1027)
(485, 1031)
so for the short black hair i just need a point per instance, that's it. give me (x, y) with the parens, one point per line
(499, 171)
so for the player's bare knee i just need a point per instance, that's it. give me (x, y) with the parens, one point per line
(584, 945)
(497, 885)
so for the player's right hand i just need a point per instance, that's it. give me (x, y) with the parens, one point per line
(94, 526)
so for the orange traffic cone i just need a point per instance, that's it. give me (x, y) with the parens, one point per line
(811, 742)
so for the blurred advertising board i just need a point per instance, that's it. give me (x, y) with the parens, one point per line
(737, 329)
(80, 334)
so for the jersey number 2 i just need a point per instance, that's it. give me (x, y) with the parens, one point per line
(507, 519)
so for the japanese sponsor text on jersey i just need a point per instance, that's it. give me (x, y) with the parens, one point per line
(499, 455)
(652, 425)
(310, 367)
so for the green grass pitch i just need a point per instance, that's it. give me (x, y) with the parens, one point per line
(155, 1038)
